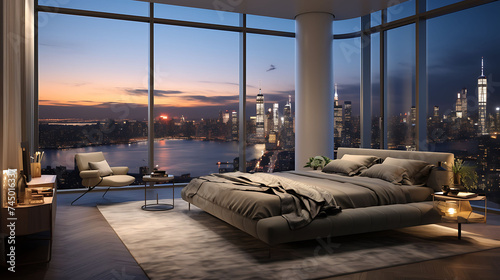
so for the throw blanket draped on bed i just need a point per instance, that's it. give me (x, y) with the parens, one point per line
(300, 203)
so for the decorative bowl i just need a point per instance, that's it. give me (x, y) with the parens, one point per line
(454, 191)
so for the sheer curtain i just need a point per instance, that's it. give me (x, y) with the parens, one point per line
(17, 56)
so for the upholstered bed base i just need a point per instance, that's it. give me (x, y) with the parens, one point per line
(275, 230)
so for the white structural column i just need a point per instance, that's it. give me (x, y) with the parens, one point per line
(421, 78)
(313, 87)
(366, 84)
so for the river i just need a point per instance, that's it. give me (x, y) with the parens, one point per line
(175, 156)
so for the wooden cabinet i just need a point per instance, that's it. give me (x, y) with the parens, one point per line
(34, 218)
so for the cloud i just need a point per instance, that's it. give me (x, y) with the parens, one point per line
(286, 92)
(226, 83)
(159, 93)
(220, 83)
(211, 99)
(271, 68)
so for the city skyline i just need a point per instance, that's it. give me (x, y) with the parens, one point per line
(98, 67)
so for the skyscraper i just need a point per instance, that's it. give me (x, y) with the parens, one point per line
(288, 138)
(225, 117)
(413, 115)
(497, 120)
(259, 130)
(276, 117)
(436, 112)
(463, 96)
(337, 116)
(269, 122)
(347, 124)
(461, 104)
(234, 126)
(481, 97)
(458, 107)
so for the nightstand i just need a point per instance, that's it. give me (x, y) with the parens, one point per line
(458, 210)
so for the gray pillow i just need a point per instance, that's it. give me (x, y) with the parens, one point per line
(418, 170)
(367, 161)
(102, 166)
(390, 173)
(343, 166)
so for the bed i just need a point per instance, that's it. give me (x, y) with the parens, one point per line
(334, 205)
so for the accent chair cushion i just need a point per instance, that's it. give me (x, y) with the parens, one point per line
(102, 167)
(117, 181)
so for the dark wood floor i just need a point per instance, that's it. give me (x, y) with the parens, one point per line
(86, 247)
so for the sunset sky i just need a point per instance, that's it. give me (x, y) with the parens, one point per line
(98, 68)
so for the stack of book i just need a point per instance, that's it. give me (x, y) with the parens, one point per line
(463, 195)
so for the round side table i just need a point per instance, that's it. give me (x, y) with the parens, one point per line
(157, 206)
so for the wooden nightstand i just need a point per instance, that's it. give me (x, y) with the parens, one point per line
(458, 210)
(35, 218)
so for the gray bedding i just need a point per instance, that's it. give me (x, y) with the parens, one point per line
(299, 203)
(347, 192)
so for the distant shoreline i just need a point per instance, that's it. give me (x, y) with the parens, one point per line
(133, 142)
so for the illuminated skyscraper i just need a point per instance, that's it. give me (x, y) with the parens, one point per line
(225, 117)
(435, 115)
(288, 138)
(276, 117)
(413, 115)
(481, 97)
(461, 104)
(458, 107)
(348, 124)
(259, 130)
(269, 122)
(337, 116)
(234, 126)
(463, 95)
(497, 120)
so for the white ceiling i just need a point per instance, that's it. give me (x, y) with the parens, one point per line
(342, 9)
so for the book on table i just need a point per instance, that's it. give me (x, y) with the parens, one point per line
(463, 195)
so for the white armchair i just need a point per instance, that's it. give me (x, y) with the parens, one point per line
(92, 178)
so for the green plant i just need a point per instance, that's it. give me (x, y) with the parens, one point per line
(466, 172)
(317, 161)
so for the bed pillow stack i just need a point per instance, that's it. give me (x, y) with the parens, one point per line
(400, 171)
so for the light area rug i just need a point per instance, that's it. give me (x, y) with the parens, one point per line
(182, 244)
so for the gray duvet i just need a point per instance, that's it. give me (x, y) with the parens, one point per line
(258, 196)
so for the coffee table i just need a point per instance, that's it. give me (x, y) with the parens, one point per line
(158, 206)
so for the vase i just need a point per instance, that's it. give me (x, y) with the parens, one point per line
(456, 179)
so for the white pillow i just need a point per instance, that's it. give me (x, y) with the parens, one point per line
(102, 166)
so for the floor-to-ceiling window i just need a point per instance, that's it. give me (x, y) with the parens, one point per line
(270, 64)
(94, 83)
(196, 99)
(271, 101)
(90, 70)
(457, 121)
(347, 79)
(375, 100)
(400, 88)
